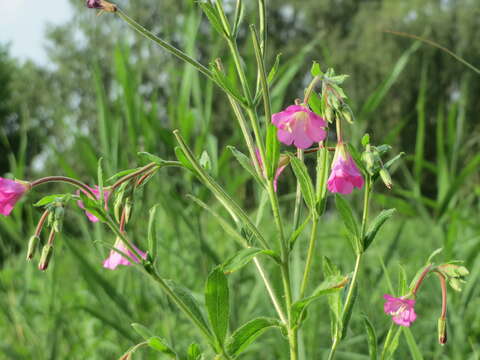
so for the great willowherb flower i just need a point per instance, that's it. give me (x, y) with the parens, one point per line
(115, 258)
(96, 191)
(101, 4)
(401, 309)
(300, 126)
(345, 174)
(282, 164)
(10, 192)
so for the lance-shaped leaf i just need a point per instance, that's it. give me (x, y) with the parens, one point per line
(246, 163)
(375, 226)
(194, 352)
(349, 219)
(247, 333)
(371, 337)
(160, 345)
(189, 301)
(306, 185)
(243, 257)
(217, 303)
(330, 285)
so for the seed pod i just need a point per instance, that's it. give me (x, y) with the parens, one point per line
(47, 253)
(442, 331)
(32, 246)
(387, 180)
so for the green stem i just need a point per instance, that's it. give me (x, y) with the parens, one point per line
(170, 48)
(353, 282)
(311, 250)
(310, 89)
(285, 269)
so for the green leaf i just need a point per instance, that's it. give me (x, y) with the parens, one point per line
(183, 159)
(52, 198)
(217, 303)
(121, 174)
(272, 151)
(247, 333)
(347, 312)
(151, 158)
(152, 237)
(315, 70)
(391, 342)
(274, 69)
(213, 17)
(143, 331)
(371, 337)
(93, 207)
(186, 296)
(159, 344)
(240, 259)
(366, 139)
(306, 185)
(246, 163)
(349, 219)
(193, 352)
(412, 344)
(298, 231)
(375, 226)
(330, 285)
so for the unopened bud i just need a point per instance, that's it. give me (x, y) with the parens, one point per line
(369, 160)
(347, 113)
(58, 218)
(387, 180)
(442, 331)
(329, 114)
(32, 246)
(47, 253)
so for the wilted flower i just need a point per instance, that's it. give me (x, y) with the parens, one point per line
(300, 126)
(96, 192)
(401, 309)
(10, 192)
(115, 258)
(101, 4)
(282, 164)
(345, 174)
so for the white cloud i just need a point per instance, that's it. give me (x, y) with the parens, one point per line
(22, 23)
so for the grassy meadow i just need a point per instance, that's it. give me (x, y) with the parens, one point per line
(79, 310)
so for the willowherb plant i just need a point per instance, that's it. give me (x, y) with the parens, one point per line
(304, 125)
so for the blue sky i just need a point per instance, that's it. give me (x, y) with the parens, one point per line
(23, 22)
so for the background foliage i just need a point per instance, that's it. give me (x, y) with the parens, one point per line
(107, 93)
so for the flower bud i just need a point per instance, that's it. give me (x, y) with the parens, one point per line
(347, 113)
(47, 253)
(385, 175)
(369, 160)
(32, 246)
(442, 331)
(329, 114)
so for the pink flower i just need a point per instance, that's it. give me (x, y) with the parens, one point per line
(94, 4)
(401, 309)
(345, 174)
(300, 126)
(96, 191)
(101, 4)
(10, 192)
(114, 258)
(281, 166)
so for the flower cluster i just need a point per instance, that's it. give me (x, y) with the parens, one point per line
(300, 126)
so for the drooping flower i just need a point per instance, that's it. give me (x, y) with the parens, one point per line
(282, 164)
(345, 174)
(401, 309)
(101, 4)
(299, 126)
(115, 258)
(10, 192)
(96, 192)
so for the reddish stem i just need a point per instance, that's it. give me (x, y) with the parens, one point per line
(41, 222)
(443, 284)
(421, 278)
(123, 221)
(65, 179)
(132, 175)
(51, 237)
